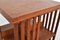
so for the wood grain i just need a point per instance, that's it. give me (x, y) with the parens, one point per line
(38, 27)
(22, 28)
(28, 22)
(34, 28)
(14, 10)
(16, 33)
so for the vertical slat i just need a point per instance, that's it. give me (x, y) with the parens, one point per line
(46, 21)
(53, 21)
(38, 27)
(50, 20)
(56, 27)
(28, 29)
(43, 19)
(22, 28)
(34, 28)
(16, 37)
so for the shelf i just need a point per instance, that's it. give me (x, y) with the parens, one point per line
(45, 34)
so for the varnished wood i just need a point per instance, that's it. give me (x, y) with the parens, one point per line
(28, 22)
(38, 28)
(22, 28)
(45, 34)
(34, 28)
(16, 33)
(17, 11)
(8, 34)
(21, 9)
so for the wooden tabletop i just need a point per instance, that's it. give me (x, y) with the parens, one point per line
(16, 9)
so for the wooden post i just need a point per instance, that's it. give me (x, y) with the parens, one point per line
(16, 37)
(38, 27)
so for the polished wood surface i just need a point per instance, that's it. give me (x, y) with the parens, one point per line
(20, 12)
(22, 28)
(34, 28)
(28, 29)
(38, 27)
(23, 8)
(42, 35)
(16, 32)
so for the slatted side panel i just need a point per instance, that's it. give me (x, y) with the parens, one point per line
(51, 21)
(30, 29)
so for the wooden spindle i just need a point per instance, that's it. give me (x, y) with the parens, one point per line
(46, 21)
(28, 29)
(34, 28)
(56, 27)
(53, 21)
(43, 19)
(22, 28)
(16, 33)
(50, 20)
(38, 28)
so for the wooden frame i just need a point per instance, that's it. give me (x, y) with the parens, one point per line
(21, 15)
